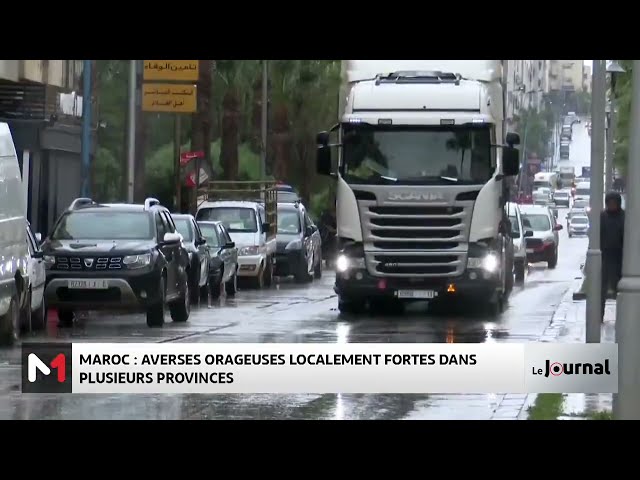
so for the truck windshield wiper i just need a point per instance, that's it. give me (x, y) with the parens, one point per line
(450, 179)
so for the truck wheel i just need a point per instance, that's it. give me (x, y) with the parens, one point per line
(10, 323)
(519, 272)
(495, 306)
(65, 318)
(351, 305)
(155, 313)
(553, 261)
(181, 308)
(508, 281)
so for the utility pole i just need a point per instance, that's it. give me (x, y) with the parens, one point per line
(613, 69)
(594, 255)
(265, 117)
(86, 129)
(626, 403)
(131, 133)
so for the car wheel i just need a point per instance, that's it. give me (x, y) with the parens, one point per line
(194, 288)
(519, 268)
(155, 313)
(258, 280)
(181, 308)
(25, 314)
(553, 261)
(351, 306)
(10, 323)
(268, 273)
(317, 271)
(302, 274)
(215, 286)
(65, 318)
(231, 287)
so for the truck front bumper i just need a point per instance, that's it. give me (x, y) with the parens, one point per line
(475, 284)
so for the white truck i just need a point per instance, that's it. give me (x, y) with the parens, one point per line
(421, 177)
(567, 176)
(546, 180)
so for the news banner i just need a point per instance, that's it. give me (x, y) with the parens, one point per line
(113, 368)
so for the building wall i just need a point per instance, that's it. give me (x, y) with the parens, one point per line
(586, 79)
(566, 75)
(527, 82)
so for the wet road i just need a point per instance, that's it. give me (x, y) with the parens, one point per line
(303, 313)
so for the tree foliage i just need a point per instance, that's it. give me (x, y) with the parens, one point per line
(623, 98)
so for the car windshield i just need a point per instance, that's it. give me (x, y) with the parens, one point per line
(541, 184)
(288, 222)
(184, 227)
(417, 155)
(583, 191)
(236, 219)
(515, 227)
(210, 233)
(580, 220)
(107, 225)
(287, 197)
(580, 205)
(561, 194)
(539, 223)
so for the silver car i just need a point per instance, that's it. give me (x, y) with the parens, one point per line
(543, 245)
(578, 225)
(518, 235)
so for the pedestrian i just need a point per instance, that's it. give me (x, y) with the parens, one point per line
(611, 241)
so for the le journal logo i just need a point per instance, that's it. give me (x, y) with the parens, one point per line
(557, 369)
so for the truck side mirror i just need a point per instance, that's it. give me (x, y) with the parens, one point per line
(513, 139)
(510, 161)
(323, 158)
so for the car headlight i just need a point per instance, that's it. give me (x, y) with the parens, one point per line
(344, 263)
(294, 244)
(49, 260)
(250, 250)
(137, 261)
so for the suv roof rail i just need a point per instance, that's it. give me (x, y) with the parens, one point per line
(151, 202)
(81, 202)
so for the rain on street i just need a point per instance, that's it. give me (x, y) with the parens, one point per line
(303, 313)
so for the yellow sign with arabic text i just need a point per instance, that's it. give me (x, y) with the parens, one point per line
(169, 97)
(172, 70)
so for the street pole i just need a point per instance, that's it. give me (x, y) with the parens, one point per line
(608, 167)
(131, 134)
(176, 161)
(86, 129)
(626, 404)
(594, 255)
(265, 118)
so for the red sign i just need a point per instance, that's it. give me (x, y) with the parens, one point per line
(191, 179)
(186, 157)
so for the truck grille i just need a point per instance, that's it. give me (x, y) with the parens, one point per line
(83, 264)
(415, 241)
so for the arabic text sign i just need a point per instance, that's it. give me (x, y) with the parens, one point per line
(165, 97)
(178, 70)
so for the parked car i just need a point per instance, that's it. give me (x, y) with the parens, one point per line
(14, 276)
(299, 245)
(518, 234)
(37, 316)
(117, 257)
(286, 193)
(195, 244)
(542, 246)
(223, 267)
(578, 225)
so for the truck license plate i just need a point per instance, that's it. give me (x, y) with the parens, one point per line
(422, 294)
(88, 284)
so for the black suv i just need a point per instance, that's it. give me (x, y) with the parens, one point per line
(117, 257)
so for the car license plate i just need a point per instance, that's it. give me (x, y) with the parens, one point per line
(422, 294)
(530, 250)
(88, 284)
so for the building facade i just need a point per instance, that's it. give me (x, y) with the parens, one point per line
(586, 79)
(34, 97)
(527, 84)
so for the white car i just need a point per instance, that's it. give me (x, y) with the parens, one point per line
(518, 234)
(37, 320)
(578, 225)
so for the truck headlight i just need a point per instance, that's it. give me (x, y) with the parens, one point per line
(137, 261)
(248, 251)
(294, 244)
(49, 260)
(490, 263)
(344, 263)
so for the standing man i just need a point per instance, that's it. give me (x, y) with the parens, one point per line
(611, 240)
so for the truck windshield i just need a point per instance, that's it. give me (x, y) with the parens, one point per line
(413, 155)
(236, 219)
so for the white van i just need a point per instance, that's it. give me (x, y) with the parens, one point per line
(15, 303)
(583, 191)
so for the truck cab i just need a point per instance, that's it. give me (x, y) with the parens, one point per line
(420, 174)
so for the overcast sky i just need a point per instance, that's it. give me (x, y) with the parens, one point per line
(588, 63)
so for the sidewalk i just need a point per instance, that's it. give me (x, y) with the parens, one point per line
(569, 326)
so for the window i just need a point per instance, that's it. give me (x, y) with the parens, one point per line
(106, 225)
(235, 219)
(289, 222)
(515, 226)
(583, 191)
(185, 228)
(160, 226)
(211, 234)
(580, 220)
(538, 222)
(31, 243)
(171, 226)
(225, 235)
